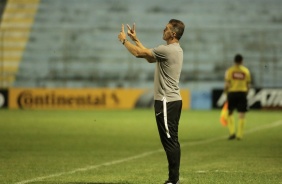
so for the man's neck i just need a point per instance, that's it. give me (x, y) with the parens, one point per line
(172, 41)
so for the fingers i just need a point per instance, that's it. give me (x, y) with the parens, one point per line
(128, 27)
(122, 28)
(133, 27)
(130, 31)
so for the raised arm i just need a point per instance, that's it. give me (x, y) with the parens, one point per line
(137, 50)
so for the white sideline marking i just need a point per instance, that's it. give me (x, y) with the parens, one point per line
(216, 171)
(274, 124)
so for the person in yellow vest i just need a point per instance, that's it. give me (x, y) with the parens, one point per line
(237, 85)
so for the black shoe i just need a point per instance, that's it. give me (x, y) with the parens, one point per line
(231, 137)
(170, 182)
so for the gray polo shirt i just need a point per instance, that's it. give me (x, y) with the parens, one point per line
(167, 72)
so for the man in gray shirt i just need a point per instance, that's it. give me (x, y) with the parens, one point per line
(168, 101)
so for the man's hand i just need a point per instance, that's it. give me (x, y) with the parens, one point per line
(122, 35)
(137, 50)
(131, 32)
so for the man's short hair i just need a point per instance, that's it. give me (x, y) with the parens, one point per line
(238, 58)
(178, 27)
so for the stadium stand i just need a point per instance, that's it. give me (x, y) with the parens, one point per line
(75, 44)
(15, 25)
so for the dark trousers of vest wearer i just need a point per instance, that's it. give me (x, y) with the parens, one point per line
(169, 134)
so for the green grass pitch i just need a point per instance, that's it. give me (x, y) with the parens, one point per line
(123, 147)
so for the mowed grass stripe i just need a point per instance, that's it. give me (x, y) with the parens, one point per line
(193, 143)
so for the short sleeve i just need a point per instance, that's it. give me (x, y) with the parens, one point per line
(160, 53)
